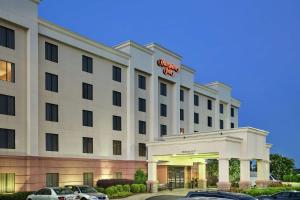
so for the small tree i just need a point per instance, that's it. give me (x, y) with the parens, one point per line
(234, 171)
(140, 177)
(281, 166)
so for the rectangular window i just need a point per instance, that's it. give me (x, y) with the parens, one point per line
(7, 105)
(7, 37)
(163, 129)
(163, 89)
(196, 100)
(142, 127)
(117, 98)
(163, 110)
(232, 112)
(51, 142)
(117, 175)
(87, 145)
(51, 82)
(181, 95)
(196, 118)
(88, 179)
(51, 52)
(87, 91)
(209, 121)
(221, 124)
(87, 118)
(7, 183)
(87, 64)
(142, 149)
(221, 108)
(7, 138)
(142, 82)
(117, 147)
(7, 71)
(117, 73)
(52, 180)
(209, 104)
(51, 112)
(232, 125)
(142, 105)
(181, 114)
(117, 123)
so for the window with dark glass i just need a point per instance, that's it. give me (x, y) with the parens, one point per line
(142, 149)
(7, 37)
(51, 112)
(88, 179)
(52, 180)
(196, 100)
(51, 82)
(117, 147)
(142, 82)
(87, 64)
(163, 129)
(181, 114)
(196, 118)
(209, 104)
(181, 95)
(87, 118)
(142, 127)
(117, 98)
(117, 123)
(232, 112)
(142, 105)
(209, 121)
(221, 108)
(221, 124)
(51, 52)
(163, 89)
(7, 71)
(117, 73)
(7, 105)
(7, 138)
(163, 110)
(87, 91)
(87, 145)
(51, 142)
(7, 183)
(232, 125)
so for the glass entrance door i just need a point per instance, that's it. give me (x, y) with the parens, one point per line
(176, 176)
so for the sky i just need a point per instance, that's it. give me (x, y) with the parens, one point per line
(251, 45)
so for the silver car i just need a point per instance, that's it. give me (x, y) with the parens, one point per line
(52, 193)
(85, 192)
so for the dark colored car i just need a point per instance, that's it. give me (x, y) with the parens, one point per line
(218, 194)
(290, 195)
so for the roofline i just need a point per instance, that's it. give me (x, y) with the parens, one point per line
(134, 44)
(219, 83)
(205, 88)
(187, 68)
(165, 50)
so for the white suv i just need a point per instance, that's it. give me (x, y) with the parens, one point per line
(85, 192)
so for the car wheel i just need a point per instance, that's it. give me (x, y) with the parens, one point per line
(83, 198)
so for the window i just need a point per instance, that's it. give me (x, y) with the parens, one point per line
(142, 149)
(7, 37)
(51, 52)
(117, 123)
(117, 147)
(117, 98)
(181, 114)
(117, 73)
(142, 105)
(87, 91)
(87, 118)
(221, 108)
(51, 82)
(163, 110)
(52, 180)
(231, 125)
(142, 127)
(117, 175)
(7, 139)
(88, 179)
(196, 118)
(196, 100)
(209, 121)
(51, 112)
(87, 64)
(7, 182)
(221, 124)
(87, 145)
(7, 105)
(181, 95)
(209, 107)
(232, 112)
(163, 130)
(142, 82)
(163, 89)
(7, 71)
(51, 142)
(44, 191)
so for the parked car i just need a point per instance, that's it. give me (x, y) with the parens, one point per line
(52, 193)
(291, 195)
(85, 192)
(218, 194)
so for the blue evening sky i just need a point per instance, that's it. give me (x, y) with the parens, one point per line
(252, 45)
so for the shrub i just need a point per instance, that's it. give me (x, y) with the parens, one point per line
(291, 178)
(120, 195)
(111, 191)
(105, 183)
(126, 188)
(135, 188)
(143, 188)
(15, 196)
(119, 188)
(99, 189)
(268, 191)
(140, 177)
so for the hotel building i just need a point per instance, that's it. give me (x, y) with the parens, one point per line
(73, 111)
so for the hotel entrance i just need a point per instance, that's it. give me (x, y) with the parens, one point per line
(176, 176)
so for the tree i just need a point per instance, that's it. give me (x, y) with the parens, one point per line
(140, 177)
(234, 171)
(281, 166)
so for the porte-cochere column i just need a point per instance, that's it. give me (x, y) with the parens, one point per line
(202, 182)
(152, 182)
(245, 181)
(263, 173)
(224, 183)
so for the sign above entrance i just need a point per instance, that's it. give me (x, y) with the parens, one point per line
(169, 69)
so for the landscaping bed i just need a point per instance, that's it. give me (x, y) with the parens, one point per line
(268, 191)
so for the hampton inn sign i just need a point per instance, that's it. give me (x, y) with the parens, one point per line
(168, 68)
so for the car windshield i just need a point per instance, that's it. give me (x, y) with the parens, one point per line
(62, 191)
(87, 190)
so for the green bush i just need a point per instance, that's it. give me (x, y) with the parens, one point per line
(292, 178)
(99, 189)
(135, 188)
(126, 188)
(15, 196)
(140, 177)
(119, 188)
(111, 190)
(143, 188)
(120, 195)
(268, 191)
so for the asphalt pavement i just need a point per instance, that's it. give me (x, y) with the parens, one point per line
(165, 197)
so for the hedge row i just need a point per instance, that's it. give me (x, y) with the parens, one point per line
(15, 196)
(119, 191)
(292, 178)
(105, 183)
(268, 191)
